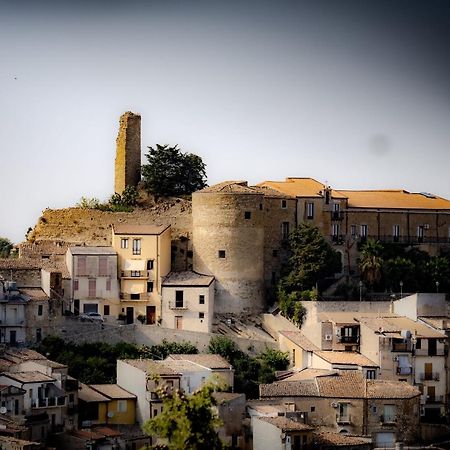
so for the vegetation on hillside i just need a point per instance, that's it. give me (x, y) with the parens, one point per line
(116, 203)
(169, 172)
(383, 267)
(5, 247)
(186, 421)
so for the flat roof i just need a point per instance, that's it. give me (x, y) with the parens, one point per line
(187, 278)
(139, 229)
(92, 250)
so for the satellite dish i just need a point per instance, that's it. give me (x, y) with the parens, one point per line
(110, 415)
(2, 410)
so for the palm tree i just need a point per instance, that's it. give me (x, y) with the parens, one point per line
(371, 262)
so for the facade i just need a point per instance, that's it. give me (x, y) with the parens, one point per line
(12, 314)
(188, 301)
(94, 286)
(143, 260)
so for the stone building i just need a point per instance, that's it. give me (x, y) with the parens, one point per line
(128, 152)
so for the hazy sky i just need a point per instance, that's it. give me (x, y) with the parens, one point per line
(355, 93)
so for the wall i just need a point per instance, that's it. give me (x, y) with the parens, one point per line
(421, 304)
(25, 278)
(266, 435)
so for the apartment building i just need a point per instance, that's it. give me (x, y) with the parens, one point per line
(143, 259)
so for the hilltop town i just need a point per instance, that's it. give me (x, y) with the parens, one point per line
(365, 368)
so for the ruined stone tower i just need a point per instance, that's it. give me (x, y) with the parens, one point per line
(128, 152)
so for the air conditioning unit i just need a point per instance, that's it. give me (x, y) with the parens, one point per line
(3, 410)
(334, 404)
(328, 337)
(426, 227)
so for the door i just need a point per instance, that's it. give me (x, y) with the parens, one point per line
(151, 315)
(130, 314)
(178, 322)
(13, 337)
(431, 393)
(432, 347)
(76, 307)
(428, 371)
(384, 439)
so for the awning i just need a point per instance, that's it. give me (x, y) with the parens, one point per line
(135, 264)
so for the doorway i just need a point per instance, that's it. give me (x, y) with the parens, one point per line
(151, 315)
(130, 315)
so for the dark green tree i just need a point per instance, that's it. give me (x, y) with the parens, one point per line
(169, 172)
(371, 262)
(398, 270)
(5, 247)
(186, 421)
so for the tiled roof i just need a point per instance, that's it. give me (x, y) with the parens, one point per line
(298, 338)
(285, 424)
(223, 397)
(309, 374)
(37, 248)
(271, 193)
(304, 388)
(18, 355)
(394, 199)
(441, 323)
(341, 357)
(229, 187)
(301, 187)
(34, 293)
(339, 439)
(87, 394)
(203, 359)
(29, 377)
(348, 384)
(86, 250)
(112, 391)
(20, 263)
(390, 389)
(187, 278)
(18, 443)
(150, 366)
(139, 229)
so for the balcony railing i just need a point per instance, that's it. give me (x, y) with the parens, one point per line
(344, 419)
(135, 274)
(429, 376)
(175, 305)
(337, 215)
(434, 399)
(424, 352)
(388, 419)
(142, 296)
(404, 370)
(48, 402)
(349, 339)
(401, 346)
(413, 239)
(337, 239)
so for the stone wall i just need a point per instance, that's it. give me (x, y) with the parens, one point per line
(25, 278)
(128, 152)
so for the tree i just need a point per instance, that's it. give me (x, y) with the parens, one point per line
(170, 172)
(5, 247)
(371, 262)
(186, 421)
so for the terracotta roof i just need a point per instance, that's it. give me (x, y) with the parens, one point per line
(106, 431)
(224, 397)
(301, 187)
(339, 439)
(390, 389)
(441, 323)
(19, 442)
(347, 384)
(341, 357)
(29, 377)
(86, 250)
(309, 374)
(18, 355)
(203, 359)
(271, 193)
(89, 395)
(112, 391)
(395, 199)
(187, 278)
(229, 187)
(304, 388)
(34, 293)
(37, 248)
(298, 338)
(139, 229)
(20, 263)
(285, 424)
(150, 366)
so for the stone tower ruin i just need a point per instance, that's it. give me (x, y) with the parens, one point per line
(128, 152)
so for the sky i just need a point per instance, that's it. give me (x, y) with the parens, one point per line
(354, 93)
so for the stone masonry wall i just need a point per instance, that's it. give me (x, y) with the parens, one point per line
(128, 153)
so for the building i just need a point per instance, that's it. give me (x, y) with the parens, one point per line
(188, 301)
(94, 286)
(143, 260)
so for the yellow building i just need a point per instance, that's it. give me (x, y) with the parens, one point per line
(143, 257)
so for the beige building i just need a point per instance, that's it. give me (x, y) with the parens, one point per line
(143, 260)
(188, 301)
(94, 286)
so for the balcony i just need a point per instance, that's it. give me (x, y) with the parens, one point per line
(343, 419)
(404, 370)
(337, 215)
(413, 239)
(429, 376)
(349, 339)
(424, 352)
(48, 402)
(142, 296)
(337, 239)
(434, 399)
(401, 346)
(388, 419)
(135, 274)
(177, 305)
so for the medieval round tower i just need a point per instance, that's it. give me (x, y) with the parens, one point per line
(228, 242)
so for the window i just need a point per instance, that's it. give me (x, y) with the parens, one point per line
(136, 273)
(121, 406)
(81, 266)
(135, 296)
(247, 215)
(136, 246)
(418, 344)
(221, 253)
(75, 285)
(124, 243)
(102, 266)
(150, 264)
(201, 315)
(178, 322)
(106, 310)
(336, 207)
(38, 335)
(353, 230)
(388, 413)
(40, 310)
(396, 230)
(335, 230)
(108, 284)
(420, 233)
(189, 254)
(310, 210)
(201, 299)
(284, 204)
(363, 231)
(273, 278)
(149, 286)
(285, 230)
(274, 253)
(313, 408)
(92, 288)
(343, 411)
(293, 356)
(179, 299)
(371, 374)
